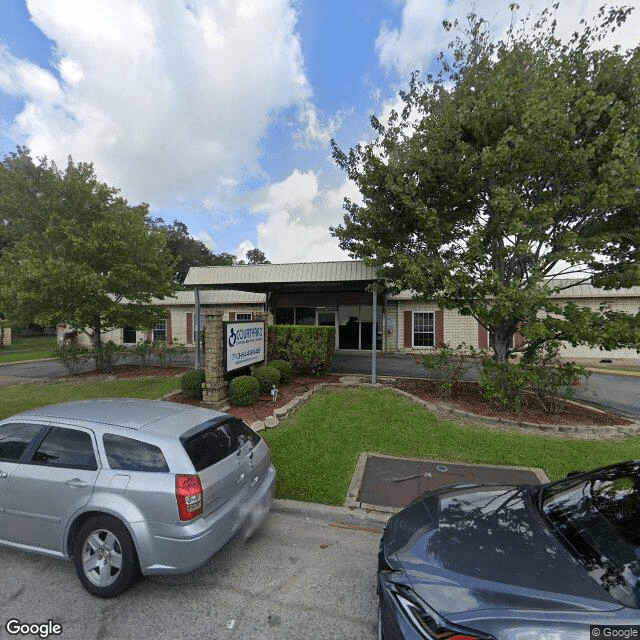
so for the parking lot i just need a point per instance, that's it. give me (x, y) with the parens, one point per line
(309, 573)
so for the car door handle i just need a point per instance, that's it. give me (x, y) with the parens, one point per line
(76, 482)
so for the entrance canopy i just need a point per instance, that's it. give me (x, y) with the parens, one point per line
(302, 277)
(317, 284)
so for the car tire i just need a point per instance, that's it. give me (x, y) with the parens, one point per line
(105, 557)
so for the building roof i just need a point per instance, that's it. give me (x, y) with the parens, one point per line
(348, 275)
(213, 297)
(569, 290)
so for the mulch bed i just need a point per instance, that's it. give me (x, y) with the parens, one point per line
(265, 406)
(466, 397)
(123, 371)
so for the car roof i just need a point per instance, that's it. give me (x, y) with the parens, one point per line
(151, 416)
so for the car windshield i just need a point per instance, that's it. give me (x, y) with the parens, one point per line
(596, 516)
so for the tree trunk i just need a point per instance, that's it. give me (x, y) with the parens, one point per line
(96, 343)
(502, 341)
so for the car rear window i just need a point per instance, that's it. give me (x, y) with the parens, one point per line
(215, 441)
(597, 516)
(133, 455)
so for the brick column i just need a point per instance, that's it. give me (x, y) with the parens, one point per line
(264, 317)
(214, 393)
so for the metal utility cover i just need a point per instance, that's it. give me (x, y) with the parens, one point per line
(392, 482)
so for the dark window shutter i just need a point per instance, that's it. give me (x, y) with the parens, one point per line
(169, 337)
(189, 328)
(483, 337)
(408, 329)
(439, 327)
(518, 340)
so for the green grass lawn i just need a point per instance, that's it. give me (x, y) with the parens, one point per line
(28, 348)
(316, 449)
(27, 396)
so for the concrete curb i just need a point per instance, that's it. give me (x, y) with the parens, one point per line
(445, 409)
(352, 516)
(6, 364)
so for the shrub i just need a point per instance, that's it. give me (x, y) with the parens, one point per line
(285, 369)
(191, 382)
(449, 364)
(141, 352)
(108, 355)
(167, 352)
(307, 348)
(503, 384)
(73, 358)
(550, 380)
(267, 376)
(243, 390)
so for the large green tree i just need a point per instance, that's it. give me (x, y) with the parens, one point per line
(189, 251)
(512, 171)
(73, 251)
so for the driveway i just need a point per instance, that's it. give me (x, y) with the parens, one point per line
(620, 394)
(310, 572)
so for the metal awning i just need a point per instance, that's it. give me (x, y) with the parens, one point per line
(301, 277)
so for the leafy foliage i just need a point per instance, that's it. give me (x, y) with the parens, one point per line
(191, 382)
(267, 376)
(168, 351)
(285, 369)
(307, 348)
(503, 384)
(188, 251)
(450, 364)
(73, 357)
(513, 169)
(243, 390)
(74, 251)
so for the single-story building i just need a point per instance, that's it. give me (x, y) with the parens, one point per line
(348, 296)
(180, 324)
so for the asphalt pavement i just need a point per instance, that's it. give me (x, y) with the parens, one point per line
(309, 572)
(617, 393)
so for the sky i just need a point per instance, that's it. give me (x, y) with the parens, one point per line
(220, 113)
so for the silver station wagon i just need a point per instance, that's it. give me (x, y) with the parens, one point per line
(130, 486)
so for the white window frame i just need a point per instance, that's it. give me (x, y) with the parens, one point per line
(414, 331)
(160, 329)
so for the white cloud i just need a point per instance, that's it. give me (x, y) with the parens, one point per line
(298, 216)
(314, 132)
(206, 238)
(420, 37)
(243, 247)
(170, 100)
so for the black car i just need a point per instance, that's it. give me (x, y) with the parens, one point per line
(505, 562)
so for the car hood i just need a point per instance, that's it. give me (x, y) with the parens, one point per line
(481, 547)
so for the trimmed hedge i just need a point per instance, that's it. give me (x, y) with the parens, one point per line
(285, 369)
(267, 376)
(307, 348)
(243, 390)
(191, 382)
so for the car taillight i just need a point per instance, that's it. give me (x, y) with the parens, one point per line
(430, 624)
(189, 496)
